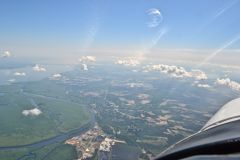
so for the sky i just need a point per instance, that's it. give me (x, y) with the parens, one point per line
(53, 28)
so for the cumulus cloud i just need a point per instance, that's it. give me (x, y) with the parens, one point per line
(198, 74)
(87, 59)
(228, 83)
(176, 71)
(39, 68)
(32, 112)
(128, 61)
(5, 54)
(203, 86)
(167, 69)
(20, 74)
(84, 67)
(56, 76)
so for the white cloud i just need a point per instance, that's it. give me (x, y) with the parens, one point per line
(128, 61)
(87, 59)
(200, 85)
(12, 80)
(145, 101)
(56, 76)
(39, 68)
(203, 85)
(167, 69)
(20, 74)
(135, 85)
(84, 61)
(32, 112)
(5, 54)
(229, 83)
(198, 74)
(84, 67)
(176, 71)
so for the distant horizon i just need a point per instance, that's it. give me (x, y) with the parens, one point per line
(208, 29)
(225, 58)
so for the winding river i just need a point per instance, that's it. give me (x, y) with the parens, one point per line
(58, 138)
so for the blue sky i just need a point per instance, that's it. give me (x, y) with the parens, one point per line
(48, 26)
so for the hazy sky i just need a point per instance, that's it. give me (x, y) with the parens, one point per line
(71, 27)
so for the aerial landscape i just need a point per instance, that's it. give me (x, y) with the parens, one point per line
(109, 110)
(123, 91)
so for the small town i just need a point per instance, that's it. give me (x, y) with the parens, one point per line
(93, 142)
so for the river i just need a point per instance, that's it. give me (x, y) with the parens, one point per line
(56, 139)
